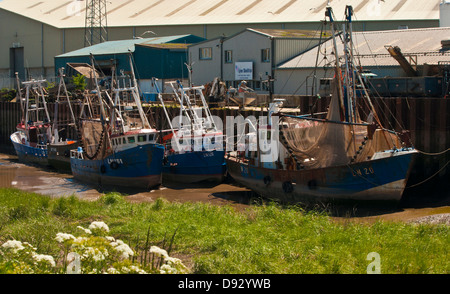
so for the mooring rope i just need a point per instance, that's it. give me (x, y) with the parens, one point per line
(429, 178)
(433, 154)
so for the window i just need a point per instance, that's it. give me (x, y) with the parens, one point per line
(205, 53)
(142, 138)
(151, 137)
(257, 85)
(131, 139)
(228, 56)
(265, 55)
(124, 141)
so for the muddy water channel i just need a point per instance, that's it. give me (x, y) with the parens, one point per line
(55, 184)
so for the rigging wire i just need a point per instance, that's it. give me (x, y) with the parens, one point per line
(300, 59)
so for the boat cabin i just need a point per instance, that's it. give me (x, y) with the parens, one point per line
(132, 139)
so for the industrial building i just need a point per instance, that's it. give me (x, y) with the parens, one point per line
(35, 31)
(250, 55)
(159, 57)
(424, 52)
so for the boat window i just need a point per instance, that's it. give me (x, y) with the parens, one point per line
(124, 141)
(131, 139)
(113, 142)
(142, 138)
(151, 137)
(118, 141)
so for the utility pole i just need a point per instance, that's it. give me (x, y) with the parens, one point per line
(95, 30)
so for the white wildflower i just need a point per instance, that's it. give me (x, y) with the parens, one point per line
(14, 245)
(116, 243)
(110, 239)
(112, 271)
(87, 231)
(95, 254)
(136, 269)
(125, 270)
(44, 258)
(172, 260)
(124, 250)
(99, 226)
(80, 240)
(167, 269)
(61, 237)
(159, 251)
(176, 264)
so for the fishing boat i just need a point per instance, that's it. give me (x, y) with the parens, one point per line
(118, 146)
(63, 127)
(34, 131)
(194, 145)
(334, 157)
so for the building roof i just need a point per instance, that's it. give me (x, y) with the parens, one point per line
(121, 13)
(287, 34)
(124, 46)
(170, 46)
(421, 44)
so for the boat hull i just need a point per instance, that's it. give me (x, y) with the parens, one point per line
(59, 154)
(138, 167)
(382, 179)
(194, 167)
(27, 153)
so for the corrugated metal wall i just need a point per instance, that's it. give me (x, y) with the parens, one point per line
(285, 49)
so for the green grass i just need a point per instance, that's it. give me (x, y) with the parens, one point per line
(265, 239)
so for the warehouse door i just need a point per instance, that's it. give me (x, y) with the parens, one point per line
(16, 62)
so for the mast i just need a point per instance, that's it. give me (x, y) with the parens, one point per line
(137, 100)
(154, 80)
(338, 73)
(99, 94)
(62, 84)
(349, 71)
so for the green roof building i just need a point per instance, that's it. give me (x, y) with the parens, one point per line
(159, 57)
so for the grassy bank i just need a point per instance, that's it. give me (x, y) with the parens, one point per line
(218, 239)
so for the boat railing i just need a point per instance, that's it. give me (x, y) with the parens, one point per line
(77, 153)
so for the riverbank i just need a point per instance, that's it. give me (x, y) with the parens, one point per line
(210, 239)
(14, 174)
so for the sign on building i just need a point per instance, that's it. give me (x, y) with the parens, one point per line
(243, 71)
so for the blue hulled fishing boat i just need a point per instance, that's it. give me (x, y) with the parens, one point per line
(118, 145)
(316, 158)
(194, 145)
(34, 131)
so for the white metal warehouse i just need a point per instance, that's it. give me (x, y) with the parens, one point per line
(35, 31)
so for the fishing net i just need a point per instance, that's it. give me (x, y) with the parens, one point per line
(318, 143)
(94, 139)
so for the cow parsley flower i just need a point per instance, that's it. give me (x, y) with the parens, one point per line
(61, 237)
(125, 251)
(99, 226)
(87, 231)
(167, 270)
(13, 245)
(158, 251)
(110, 239)
(112, 271)
(44, 258)
(95, 253)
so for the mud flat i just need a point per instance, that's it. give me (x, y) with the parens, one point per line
(50, 182)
